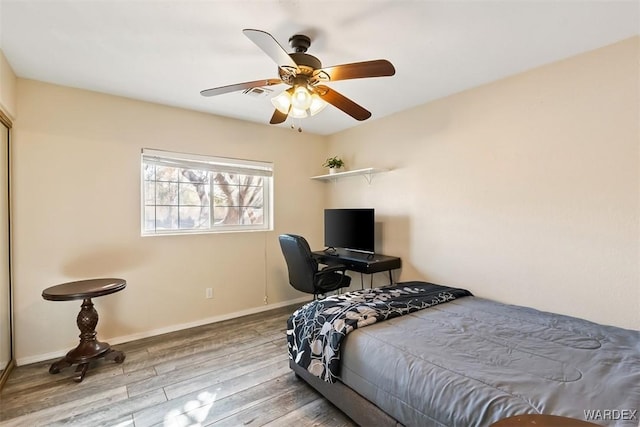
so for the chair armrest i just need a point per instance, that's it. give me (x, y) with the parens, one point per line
(333, 268)
(329, 272)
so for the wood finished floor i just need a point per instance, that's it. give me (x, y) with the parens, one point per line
(231, 373)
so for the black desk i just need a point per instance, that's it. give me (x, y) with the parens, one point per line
(359, 262)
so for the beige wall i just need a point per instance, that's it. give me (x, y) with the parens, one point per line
(525, 190)
(7, 88)
(76, 198)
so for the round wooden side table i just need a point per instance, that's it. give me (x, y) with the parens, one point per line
(541, 420)
(89, 347)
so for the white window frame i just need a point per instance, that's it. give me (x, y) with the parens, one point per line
(211, 164)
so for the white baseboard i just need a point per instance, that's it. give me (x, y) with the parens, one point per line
(126, 338)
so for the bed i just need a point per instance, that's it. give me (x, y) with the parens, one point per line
(465, 361)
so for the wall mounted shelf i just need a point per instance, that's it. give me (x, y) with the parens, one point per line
(367, 173)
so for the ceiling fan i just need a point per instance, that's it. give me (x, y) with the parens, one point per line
(307, 95)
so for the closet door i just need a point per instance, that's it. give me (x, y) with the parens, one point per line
(6, 352)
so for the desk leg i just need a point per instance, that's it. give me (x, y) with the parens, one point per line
(390, 278)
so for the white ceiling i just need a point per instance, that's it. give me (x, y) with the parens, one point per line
(168, 51)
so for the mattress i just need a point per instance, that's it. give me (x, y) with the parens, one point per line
(471, 362)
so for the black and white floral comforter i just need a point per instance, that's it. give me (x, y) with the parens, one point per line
(316, 330)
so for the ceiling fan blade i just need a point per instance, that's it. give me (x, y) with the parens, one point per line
(358, 70)
(278, 117)
(272, 48)
(239, 86)
(343, 103)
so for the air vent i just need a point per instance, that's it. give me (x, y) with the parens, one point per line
(258, 92)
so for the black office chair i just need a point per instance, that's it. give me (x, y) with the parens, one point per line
(303, 268)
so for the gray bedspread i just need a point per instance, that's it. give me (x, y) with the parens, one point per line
(472, 361)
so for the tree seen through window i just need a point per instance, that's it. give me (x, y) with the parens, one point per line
(185, 198)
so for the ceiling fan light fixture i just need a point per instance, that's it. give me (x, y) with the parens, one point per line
(287, 104)
(282, 102)
(301, 98)
(317, 104)
(297, 113)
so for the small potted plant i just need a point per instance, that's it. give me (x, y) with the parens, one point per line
(333, 163)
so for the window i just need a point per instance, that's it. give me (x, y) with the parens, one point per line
(188, 193)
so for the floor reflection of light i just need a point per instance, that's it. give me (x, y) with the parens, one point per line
(193, 413)
(124, 424)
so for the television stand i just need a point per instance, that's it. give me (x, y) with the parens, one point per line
(359, 261)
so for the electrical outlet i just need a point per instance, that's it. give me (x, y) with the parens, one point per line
(208, 293)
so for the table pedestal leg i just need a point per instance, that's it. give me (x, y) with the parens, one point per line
(89, 348)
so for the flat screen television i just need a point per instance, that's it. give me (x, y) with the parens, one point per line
(352, 229)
